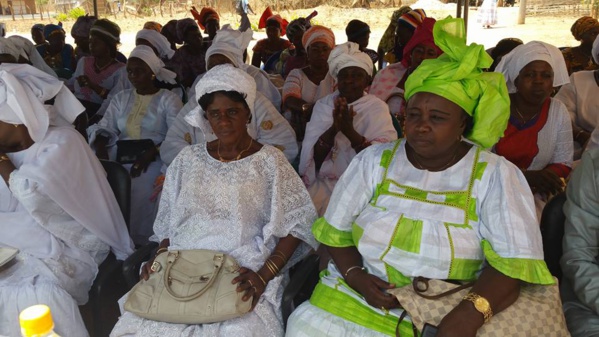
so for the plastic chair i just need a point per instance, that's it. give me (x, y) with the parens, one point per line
(552, 231)
(108, 285)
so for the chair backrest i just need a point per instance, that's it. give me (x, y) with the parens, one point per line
(120, 182)
(552, 230)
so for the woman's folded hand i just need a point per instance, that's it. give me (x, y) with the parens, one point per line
(373, 289)
(250, 283)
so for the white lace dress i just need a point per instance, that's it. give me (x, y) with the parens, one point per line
(241, 208)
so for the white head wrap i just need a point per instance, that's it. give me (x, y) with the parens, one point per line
(595, 50)
(230, 43)
(23, 91)
(511, 64)
(29, 52)
(224, 77)
(147, 55)
(348, 55)
(158, 41)
(8, 47)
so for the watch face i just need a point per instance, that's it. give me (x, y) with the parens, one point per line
(481, 304)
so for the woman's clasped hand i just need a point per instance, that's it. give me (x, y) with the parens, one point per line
(372, 288)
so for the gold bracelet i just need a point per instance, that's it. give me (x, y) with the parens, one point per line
(261, 279)
(161, 250)
(4, 158)
(274, 265)
(271, 270)
(280, 257)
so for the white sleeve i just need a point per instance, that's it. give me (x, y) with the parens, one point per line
(567, 95)
(180, 135)
(273, 129)
(564, 146)
(108, 125)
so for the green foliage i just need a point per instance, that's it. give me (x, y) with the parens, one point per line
(254, 26)
(62, 17)
(76, 12)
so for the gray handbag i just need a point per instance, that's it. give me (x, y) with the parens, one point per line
(190, 287)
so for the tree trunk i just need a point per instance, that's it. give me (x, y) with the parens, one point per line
(12, 12)
(522, 12)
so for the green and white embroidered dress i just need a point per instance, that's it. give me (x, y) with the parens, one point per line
(407, 222)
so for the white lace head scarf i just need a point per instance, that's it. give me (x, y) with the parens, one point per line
(511, 64)
(158, 41)
(147, 55)
(23, 91)
(231, 43)
(223, 77)
(348, 55)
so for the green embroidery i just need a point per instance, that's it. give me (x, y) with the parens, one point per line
(452, 250)
(356, 232)
(386, 158)
(331, 236)
(347, 307)
(407, 235)
(464, 269)
(392, 237)
(527, 270)
(479, 170)
(414, 193)
(395, 277)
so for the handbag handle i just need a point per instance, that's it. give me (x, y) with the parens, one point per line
(423, 280)
(172, 258)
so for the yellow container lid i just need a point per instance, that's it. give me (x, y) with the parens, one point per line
(36, 320)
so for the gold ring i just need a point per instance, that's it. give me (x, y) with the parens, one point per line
(255, 290)
(250, 282)
(136, 166)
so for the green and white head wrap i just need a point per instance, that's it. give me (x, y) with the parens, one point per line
(457, 76)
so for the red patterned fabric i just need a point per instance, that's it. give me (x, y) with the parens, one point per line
(519, 144)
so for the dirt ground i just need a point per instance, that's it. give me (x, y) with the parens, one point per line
(552, 28)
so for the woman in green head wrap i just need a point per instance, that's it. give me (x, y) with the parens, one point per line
(394, 214)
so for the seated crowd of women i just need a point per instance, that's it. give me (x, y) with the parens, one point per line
(438, 164)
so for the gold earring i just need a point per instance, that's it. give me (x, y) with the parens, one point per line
(16, 125)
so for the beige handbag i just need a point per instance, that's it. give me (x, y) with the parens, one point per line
(536, 312)
(190, 287)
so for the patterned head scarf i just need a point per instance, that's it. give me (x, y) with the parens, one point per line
(231, 43)
(183, 26)
(388, 40)
(51, 29)
(153, 25)
(422, 35)
(158, 41)
(457, 76)
(147, 55)
(23, 91)
(170, 30)
(82, 26)
(223, 77)
(319, 34)
(583, 25)
(348, 55)
(205, 15)
(412, 19)
(107, 29)
(519, 57)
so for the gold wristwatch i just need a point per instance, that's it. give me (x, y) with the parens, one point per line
(481, 304)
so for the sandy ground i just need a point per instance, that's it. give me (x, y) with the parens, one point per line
(553, 28)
